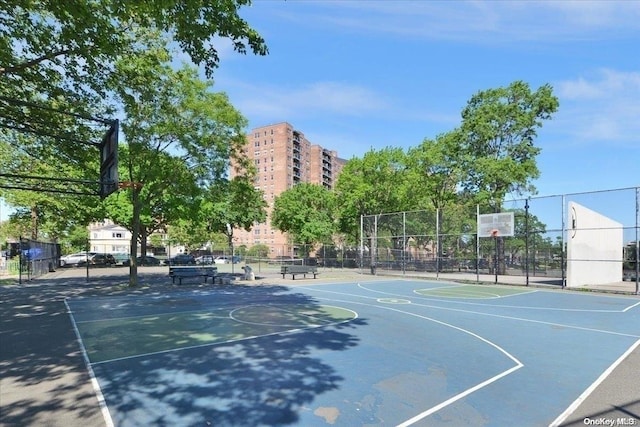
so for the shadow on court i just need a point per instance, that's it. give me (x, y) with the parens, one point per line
(43, 378)
(260, 379)
(257, 381)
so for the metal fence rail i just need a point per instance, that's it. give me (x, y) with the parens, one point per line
(544, 244)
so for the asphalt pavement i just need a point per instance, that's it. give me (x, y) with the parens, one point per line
(44, 379)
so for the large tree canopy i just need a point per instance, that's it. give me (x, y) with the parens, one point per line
(181, 137)
(44, 42)
(499, 127)
(306, 211)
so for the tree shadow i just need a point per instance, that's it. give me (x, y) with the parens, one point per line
(265, 380)
(261, 381)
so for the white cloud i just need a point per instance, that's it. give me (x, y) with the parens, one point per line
(319, 97)
(601, 108)
(478, 21)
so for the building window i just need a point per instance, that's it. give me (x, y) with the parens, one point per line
(95, 235)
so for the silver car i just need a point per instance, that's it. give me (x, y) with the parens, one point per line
(75, 260)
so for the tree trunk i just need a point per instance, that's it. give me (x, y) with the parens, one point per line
(34, 222)
(135, 232)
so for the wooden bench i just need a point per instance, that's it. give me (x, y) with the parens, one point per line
(298, 269)
(182, 272)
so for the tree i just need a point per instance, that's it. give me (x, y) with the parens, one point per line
(165, 198)
(499, 127)
(43, 44)
(306, 212)
(231, 204)
(57, 59)
(181, 135)
(369, 186)
(434, 173)
(259, 250)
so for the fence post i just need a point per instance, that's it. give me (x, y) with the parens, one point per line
(526, 240)
(477, 244)
(562, 244)
(404, 241)
(637, 238)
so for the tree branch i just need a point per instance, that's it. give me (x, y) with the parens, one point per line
(17, 68)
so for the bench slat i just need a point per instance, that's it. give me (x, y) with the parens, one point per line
(298, 269)
(183, 272)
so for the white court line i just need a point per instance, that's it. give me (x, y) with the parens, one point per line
(630, 307)
(520, 319)
(284, 325)
(211, 344)
(94, 381)
(455, 294)
(141, 316)
(497, 305)
(592, 387)
(457, 397)
(466, 392)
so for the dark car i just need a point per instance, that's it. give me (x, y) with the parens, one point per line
(147, 260)
(98, 259)
(205, 259)
(144, 260)
(182, 259)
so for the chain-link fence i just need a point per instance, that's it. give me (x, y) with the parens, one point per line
(36, 258)
(575, 236)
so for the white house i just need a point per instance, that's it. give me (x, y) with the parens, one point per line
(109, 238)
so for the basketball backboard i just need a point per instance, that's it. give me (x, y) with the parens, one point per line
(109, 161)
(496, 224)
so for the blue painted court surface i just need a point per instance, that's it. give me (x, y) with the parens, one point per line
(380, 353)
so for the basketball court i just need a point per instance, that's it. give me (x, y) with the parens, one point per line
(381, 352)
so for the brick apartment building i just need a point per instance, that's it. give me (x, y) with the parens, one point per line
(283, 158)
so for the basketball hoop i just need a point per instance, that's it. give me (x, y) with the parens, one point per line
(495, 233)
(129, 184)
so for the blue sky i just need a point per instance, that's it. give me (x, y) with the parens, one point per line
(356, 75)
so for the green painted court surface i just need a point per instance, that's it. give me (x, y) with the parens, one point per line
(112, 339)
(385, 352)
(471, 292)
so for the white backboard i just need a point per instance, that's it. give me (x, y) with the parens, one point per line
(496, 224)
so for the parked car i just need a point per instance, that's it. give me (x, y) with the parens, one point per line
(121, 258)
(227, 259)
(182, 259)
(106, 260)
(148, 260)
(74, 260)
(205, 259)
(82, 258)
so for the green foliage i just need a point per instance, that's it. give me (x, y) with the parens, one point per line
(306, 211)
(434, 171)
(374, 184)
(260, 251)
(232, 204)
(499, 127)
(43, 44)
